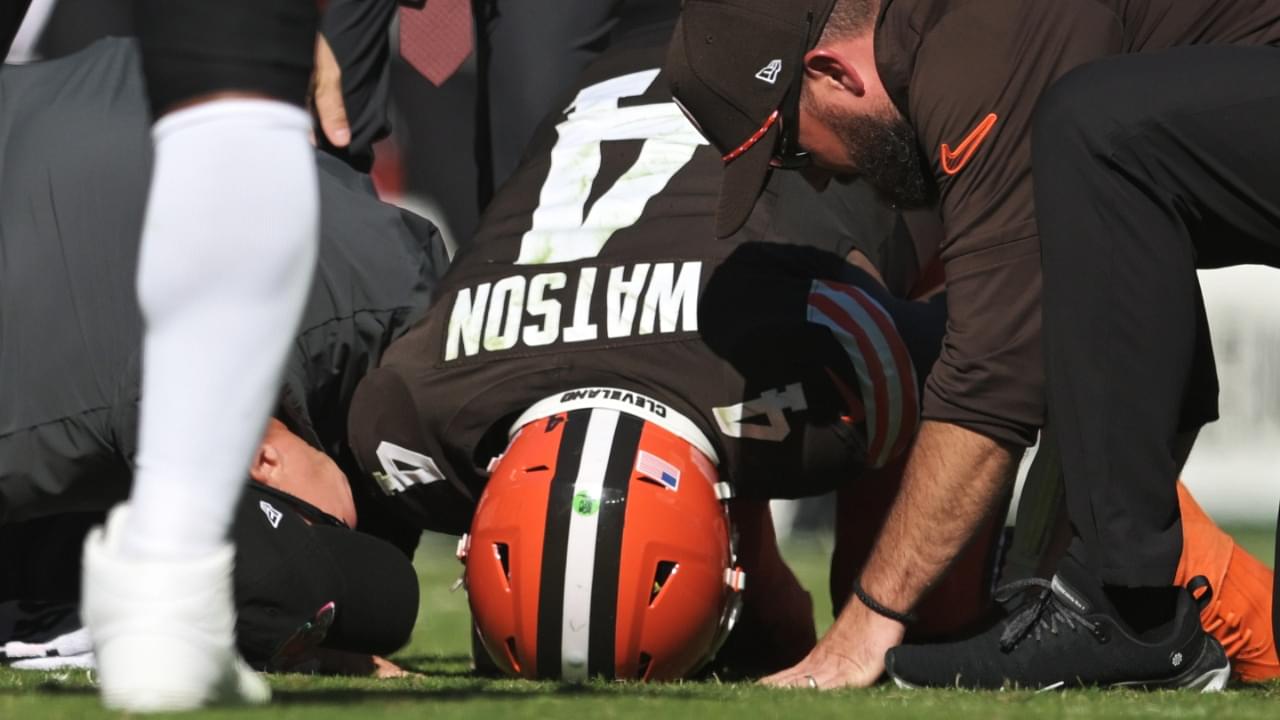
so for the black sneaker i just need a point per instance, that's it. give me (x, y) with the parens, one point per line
(1067, 635)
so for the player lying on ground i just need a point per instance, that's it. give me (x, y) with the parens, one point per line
(75, 178)
(606, 359)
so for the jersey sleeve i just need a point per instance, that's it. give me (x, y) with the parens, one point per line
(978, 74)
(402, 457)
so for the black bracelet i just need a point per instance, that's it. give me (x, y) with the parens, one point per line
(877, 608)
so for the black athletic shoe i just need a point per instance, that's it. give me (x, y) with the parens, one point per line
(1067, 635)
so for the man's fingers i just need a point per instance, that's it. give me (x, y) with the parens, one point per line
(824, 672)
(333, 117)
(810, 681)
(384, 668)
(776, 680)
(791, 677)
(327, 96)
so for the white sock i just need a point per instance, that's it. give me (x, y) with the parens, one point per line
(227, 258)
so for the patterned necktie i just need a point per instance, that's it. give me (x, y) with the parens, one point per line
(436, 38)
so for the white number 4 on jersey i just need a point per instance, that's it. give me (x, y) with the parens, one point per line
(763, 418)
(560, 232)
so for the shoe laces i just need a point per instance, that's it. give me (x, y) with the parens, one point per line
(1044, 612)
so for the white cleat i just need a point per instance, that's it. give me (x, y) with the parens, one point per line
(164, 632)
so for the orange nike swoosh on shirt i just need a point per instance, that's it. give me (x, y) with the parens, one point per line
(953, 161)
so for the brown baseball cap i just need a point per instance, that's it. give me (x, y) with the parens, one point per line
(735, 68)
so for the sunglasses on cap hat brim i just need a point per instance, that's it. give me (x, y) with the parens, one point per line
(788, 155)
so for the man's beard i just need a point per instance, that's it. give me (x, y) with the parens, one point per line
(884, 149)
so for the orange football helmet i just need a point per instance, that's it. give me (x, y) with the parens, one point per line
(601, 546)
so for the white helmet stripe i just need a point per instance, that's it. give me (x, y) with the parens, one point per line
(579, 564)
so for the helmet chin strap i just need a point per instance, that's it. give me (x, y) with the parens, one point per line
(735, 578)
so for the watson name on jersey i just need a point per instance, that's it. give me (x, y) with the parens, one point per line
(597, 276)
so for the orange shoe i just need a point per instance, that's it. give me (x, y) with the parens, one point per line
(1239, 614)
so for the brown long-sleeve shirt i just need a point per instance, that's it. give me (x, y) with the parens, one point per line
(968, 73)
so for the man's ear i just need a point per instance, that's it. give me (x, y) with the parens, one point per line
(267, 463)
(831, 70)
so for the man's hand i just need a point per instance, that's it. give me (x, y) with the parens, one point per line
(851, 654)
(326, 95)
(952, 479)
(338, 662)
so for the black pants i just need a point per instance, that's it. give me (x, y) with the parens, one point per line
(191, 48)
(527, 59)
(11, 15)
(1146, 167)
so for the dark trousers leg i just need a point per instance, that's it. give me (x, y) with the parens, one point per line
(527, 59)
(193, 48)
(1039, 528)
(1146, 167)
(40, 559)
(11, 15)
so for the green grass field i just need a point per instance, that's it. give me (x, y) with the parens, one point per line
(439, 650)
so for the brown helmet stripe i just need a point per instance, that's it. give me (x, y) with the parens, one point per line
(613, 512)
(555, 541)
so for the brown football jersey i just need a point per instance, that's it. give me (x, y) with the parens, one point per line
(597, 277)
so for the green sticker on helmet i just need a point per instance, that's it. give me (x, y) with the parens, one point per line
(584, 504)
